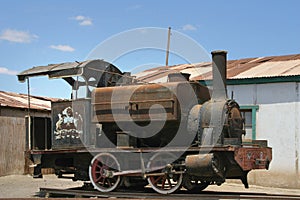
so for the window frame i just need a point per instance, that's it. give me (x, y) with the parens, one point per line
(254, 109)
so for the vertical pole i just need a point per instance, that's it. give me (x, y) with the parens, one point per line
(46, 133)
(168, 47)
(76, 93)
(28, 95)
(29, 118)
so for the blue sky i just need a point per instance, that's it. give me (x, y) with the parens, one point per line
(34, 33)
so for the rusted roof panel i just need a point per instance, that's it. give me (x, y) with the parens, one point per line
(15, 100)
(271, 69)
(261, 67)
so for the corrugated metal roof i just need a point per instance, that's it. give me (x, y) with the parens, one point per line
(272, 68)
(15, 100)
(261, 67)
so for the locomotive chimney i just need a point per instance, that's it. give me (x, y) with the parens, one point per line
(219, 74)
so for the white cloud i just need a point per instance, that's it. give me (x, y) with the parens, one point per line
(134, 7)
(62, 47)
(86, 22)
(17, 36)
(83, 21)
(189, 27)
(6, 71)
(79, 18)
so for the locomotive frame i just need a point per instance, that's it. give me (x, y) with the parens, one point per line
(88, 142)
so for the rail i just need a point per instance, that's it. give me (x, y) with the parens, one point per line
(147, 194)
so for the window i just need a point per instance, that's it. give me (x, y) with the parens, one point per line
(249, 114)
(81, 88)
(40, 133)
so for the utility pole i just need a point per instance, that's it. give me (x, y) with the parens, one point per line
(168, 47)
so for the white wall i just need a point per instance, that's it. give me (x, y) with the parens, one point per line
(278, 121)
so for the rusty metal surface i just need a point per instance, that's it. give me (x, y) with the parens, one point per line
(45, 70)
(250, 158)
(200, 164)
(270, 66)
(232, 193)
(53, 68)
(219, 64)
(15, 100)
(136, 150)
(96, 73)
(111, 102)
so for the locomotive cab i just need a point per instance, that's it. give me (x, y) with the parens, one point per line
(70, 124)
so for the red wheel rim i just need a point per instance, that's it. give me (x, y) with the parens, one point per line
(100, 165)
(166, 183)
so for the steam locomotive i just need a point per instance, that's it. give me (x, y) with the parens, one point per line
(117, 131)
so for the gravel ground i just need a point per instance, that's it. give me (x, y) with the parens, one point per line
(24, 186)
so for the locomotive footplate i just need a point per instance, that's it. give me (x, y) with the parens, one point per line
(203, 149)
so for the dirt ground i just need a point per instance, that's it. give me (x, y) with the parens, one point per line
(24, 186)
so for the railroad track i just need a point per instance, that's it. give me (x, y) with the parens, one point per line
(75, 192)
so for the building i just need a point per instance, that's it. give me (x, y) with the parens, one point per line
(13, 113)
(268, 90)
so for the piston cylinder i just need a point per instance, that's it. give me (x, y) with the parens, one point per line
(204, 165)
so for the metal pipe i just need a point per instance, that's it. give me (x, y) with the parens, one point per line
(219, 74)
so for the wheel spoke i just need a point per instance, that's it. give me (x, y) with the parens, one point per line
(109, 183)
(156, 180)
(98, 179)
(98, 165)
(110, 163)
(106, 161)
(164, 184)
(101, 163)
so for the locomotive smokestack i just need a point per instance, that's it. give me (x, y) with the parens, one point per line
(219, 74)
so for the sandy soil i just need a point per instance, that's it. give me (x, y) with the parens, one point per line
(24, 186)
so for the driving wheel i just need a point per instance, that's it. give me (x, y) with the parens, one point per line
(100, 172)
(165, 178)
